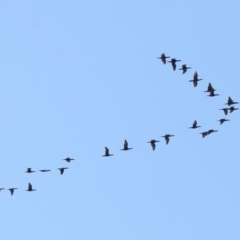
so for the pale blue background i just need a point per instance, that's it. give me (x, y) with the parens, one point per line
(76, 77)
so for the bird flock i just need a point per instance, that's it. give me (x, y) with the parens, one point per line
(153, 142)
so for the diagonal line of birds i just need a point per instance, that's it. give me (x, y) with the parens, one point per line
(153, 142)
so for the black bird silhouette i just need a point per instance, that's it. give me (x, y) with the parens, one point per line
(125, 146)
(68, 159)
(222, 120)
(44, 170)
(29, 170)
(1, 189)
(167, 136)
(211, 131)
(62, 169)
(195, 79)
(107, 153)
(153, 143)
(12, 190)
(225, 110)
(204, 134)
(30, 189)
(173, 61)
(212, 94)
(163, 58)
(210, 88)
(230, 102)
(184, 68)
(231, 109)
(195, 125)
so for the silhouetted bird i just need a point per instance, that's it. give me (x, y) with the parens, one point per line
(204, 134)
(184, 68)
(210, 88)
(68, 159)
(225, 110)
(62, 170)
(173, 61)
(222, 120)
(212, 94)
(125, 146)
(153, 144)
(195, 125)
(107, 153)
(12, 190)
(211, 131)
(163, 58)
(1, 189)
(44, 170)
(167, 136)
(231, 109)
(29, 170)
(230, 102)
(30, 189)
(195, 79)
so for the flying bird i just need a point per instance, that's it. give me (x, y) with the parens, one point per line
(194, 125)
(44, 170)
(125, 146)
(204, 134)
(167, 136)
(62, 170)
(153, 144)
(173, 61)
(107, 153)
(225, 110)
(12, 190)
(163, 58)
(231, 109)
(222, 120)
(184, 68)
(210, 88)
(195, 79)
(29, 170)
(211, 131)
(212, 94)
(30, 189)
(68, 159)
(230, 102)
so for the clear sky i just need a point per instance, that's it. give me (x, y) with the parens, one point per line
(76, 77)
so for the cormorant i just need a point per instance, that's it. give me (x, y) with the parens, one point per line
(12, 190)
(173, 61)
(68, 159)
(232, 108)
(167, 136)
(222, 120)
(211, 131)
(153, 144)
(107, 153)
(163, 58)
(195, 79)
(204, 134)
(62, 169)
(210, 88)
(30, 189)
(225, 110)
(184, 68)
(125, 146)
(29, 170)
(44, 170)
(230, 102)
(195, 125)
(212, 94)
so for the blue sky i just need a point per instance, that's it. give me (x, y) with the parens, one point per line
(76, 77)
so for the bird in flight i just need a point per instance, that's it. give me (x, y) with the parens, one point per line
(44, 170)
(167, 136)
(210, 88)
(12, 190)
(184, 68)
(30, 189)
(232, 108)
(204, 134)
(173, 61)
(29, 170)
(225, 110)
(222, 120)
(212, 94)
(194, 125)
(195, 79)
(107, 153)
(125, 146)
(62, 170)
(153, 144)
(68, 159)
(163, 58)
(230, 102)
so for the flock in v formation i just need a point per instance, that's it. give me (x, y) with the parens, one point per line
(153, 142)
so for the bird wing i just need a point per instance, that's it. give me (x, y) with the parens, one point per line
(230, 101)
(194, 123)
(153, 145)
(195, 76)
(106, 151)
(225, 111)
(61, 170)
(125, 145)
(167, 139)
(29, 186)
(195, 83)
